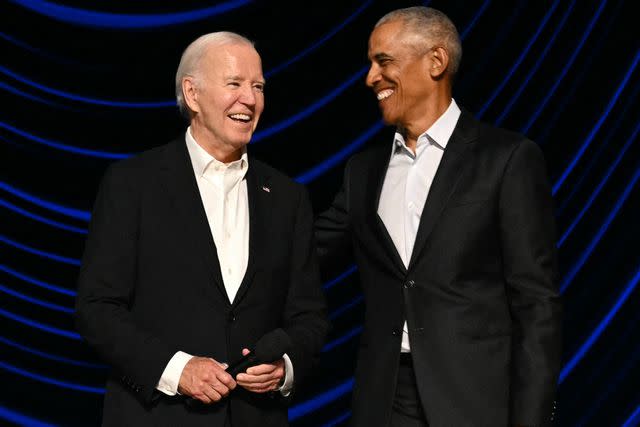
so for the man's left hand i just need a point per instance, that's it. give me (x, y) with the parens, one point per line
(262, 378)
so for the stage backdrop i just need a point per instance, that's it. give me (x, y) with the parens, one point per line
(84, 84)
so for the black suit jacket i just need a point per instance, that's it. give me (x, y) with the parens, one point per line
(150, 285)
(479, 295)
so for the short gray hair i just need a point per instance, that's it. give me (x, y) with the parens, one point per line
(432, 27)
(190, 60)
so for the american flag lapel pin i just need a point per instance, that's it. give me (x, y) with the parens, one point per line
(266, 189)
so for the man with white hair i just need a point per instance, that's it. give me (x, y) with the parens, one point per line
(450, 222)
(196, 251)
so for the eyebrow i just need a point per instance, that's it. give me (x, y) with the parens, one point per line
(238, 78)
(380, 56)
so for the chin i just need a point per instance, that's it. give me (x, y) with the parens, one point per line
(242, 139)
(389, 119)
(238, 145)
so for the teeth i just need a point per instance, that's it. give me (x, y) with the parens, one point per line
(384, 94)
(240, 117)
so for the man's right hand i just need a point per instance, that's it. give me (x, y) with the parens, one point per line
(206, 380)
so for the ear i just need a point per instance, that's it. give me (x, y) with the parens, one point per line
(190, 93)
(439, 61)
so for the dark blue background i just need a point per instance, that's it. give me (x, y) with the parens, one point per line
(85, 83)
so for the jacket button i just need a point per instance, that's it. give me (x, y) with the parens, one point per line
(409, 284)
(231, 317)
(395, 332)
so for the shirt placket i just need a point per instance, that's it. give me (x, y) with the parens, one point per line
(227, 223)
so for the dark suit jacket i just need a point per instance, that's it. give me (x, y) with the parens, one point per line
(150, 285)
(479, 295)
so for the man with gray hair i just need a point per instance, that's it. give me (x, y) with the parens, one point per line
(450, 222)
(196, 252)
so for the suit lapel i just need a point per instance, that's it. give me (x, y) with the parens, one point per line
(260, 208)
(445, 180)
(182, 188)
(378, 171)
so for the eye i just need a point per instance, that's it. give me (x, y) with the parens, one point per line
(233, 84)
(259, 87)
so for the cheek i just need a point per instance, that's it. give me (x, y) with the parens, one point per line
(225, 101)
(259, 106)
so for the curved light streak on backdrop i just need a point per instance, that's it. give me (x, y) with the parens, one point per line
(91, 18)
(318, 114)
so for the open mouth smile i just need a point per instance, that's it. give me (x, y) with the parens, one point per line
(240, 117)
(384, 94)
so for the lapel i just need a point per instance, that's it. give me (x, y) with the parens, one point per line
(182, 188)
(378, 171)
(445, 180)
(260, 209)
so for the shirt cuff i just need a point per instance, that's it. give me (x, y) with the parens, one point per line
(170, 378)
(286, 387)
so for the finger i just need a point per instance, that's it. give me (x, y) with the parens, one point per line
(263, 388)
(262, 384)
(245, 351)
(220, 364)
(222, 389)
(255, 379)
(202, 398)
(226, 379)
(212, 394)
(265, 368)
(230, 384)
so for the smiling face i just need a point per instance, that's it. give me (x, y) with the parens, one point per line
(226, 98)
(399, 75)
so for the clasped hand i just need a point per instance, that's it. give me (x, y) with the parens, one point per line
(206, 380)
(262, 378)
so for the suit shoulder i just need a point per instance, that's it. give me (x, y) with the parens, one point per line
(506, 146)
(504, 139)
(140, 164)
(141, 161)
(134, 171)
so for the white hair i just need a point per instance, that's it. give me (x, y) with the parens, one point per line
(432, 27)
(190, 60)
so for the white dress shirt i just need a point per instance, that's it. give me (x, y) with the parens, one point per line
(407, 183)
(223, 190)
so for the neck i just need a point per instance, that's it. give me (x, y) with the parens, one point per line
(224, 153)
(425, 118)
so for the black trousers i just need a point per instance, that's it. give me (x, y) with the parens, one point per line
(407, 410)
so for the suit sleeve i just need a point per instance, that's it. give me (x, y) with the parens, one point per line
(528, 241)
(106, 289)
(333, 233)
(305, 312)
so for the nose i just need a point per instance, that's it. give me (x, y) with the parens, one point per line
(373, 76)
(247, 95)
